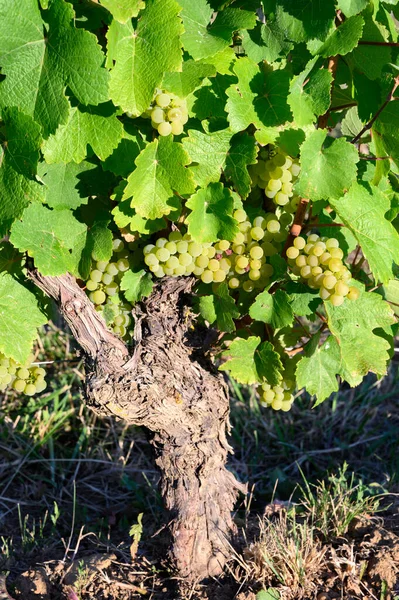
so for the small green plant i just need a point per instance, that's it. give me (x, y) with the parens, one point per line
(333, 505)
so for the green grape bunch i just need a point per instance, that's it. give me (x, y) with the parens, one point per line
(318, 261)
(168, 113)
(275, 172)
(24, 378)
(103, 288)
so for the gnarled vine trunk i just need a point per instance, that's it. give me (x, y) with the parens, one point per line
(168, 387)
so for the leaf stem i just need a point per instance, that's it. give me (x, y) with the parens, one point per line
(342, 106)
(370, 43)
(311, 225)
(369, 124)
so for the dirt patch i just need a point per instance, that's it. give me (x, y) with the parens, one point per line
(363, 565)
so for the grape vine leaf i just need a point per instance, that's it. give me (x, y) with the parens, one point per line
(351, 7)
(10, 259)
(370, 60)
(208, 151)
(136, 285)
(160, 170)
(202, 39)
(353, 324)
(303, 20)
(351, 124)
(265, 42)
(258, 98)
(189, 79)
(223, 61)
(96, 126)
(317, 370)
(242, 153)
(363, 210)
(386, 128)
(211, 218)
(328, 167)
(123, 10)
(390, 292)
(274, 309)
(209, 101)
(19, 153)
(250, 361)
(310, 93)
(54, 238)
(98, 241)
(220, 308)
(121, 161)
(63, 184)
(39, 59)
(126, 216)
(303, 301)
(139, 58)
(342, 40)
(20, 316)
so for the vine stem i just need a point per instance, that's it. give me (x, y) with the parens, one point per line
(332, 67)
(370, 43)
(312, 225)
(369, 124)
(297, 225)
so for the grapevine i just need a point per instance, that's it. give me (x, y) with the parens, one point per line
(206, 191)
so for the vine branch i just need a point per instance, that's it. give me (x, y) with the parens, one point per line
(332, 67)
(369, 124)
(297, 225)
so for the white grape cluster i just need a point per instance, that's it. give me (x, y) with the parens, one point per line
(24, 378)
(242, 263)
(318, 261)
(276, 172)
(168, 113)
(248, 253)
(278, 397)
(178, 255)
(103, 288)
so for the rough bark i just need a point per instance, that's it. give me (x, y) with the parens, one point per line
(167, 386)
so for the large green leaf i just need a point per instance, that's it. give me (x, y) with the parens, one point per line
(208, 151)
(317, 370)
(211, 218)
(304, 20)
(54, 239)
(98, 127)
(188, 79)
(342, 40)
(160, 171)
(219, 308)
(361, 348)
(39, 59)
(19, 153)
(139, 57)
(363, 210)
(328, 167)
(242, 153)
(136, 285)
(250, 361)
(258, 97)
(202, 39)
(274, 309)
(310, 93)
(123, 10)
(20, 316)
